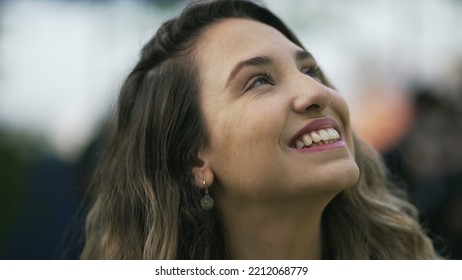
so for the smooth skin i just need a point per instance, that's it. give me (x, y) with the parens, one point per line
(258, 89)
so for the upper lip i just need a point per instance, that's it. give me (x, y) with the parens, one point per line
(314, 125)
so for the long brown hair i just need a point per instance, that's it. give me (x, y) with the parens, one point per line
(144, 203)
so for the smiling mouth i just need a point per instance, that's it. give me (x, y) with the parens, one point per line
(316, 138)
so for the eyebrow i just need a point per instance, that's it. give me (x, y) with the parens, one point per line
(262, 61)
(302, 54)
(255, 61)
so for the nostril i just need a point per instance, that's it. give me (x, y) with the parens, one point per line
(311, 100)
(313, 107)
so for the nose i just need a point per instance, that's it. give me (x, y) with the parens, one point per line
(310, 95)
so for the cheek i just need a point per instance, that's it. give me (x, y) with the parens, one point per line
(249, 119)
(243, 141)
(242, 131)
(340, 107)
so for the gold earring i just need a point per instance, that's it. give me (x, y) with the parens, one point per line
(207, 202)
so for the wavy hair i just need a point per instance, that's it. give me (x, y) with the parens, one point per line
(144, 203)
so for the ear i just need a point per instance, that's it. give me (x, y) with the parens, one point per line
(203, 174)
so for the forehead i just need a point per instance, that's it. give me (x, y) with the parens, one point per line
(234, 39)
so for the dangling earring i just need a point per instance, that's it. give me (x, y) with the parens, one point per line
(207, 202)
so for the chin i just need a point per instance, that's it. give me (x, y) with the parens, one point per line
(337, 177)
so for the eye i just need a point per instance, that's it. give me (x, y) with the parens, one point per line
(314, 71)
(260, 80)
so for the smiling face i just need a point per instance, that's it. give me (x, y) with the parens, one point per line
(276, 133)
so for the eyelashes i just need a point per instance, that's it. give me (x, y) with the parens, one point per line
(315, 72)
(267, 78)
(260, 79)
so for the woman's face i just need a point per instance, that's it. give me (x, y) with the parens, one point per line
(275, 131)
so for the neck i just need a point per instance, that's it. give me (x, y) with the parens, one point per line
(285, 231)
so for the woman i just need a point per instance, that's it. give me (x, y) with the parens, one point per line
(229, 142)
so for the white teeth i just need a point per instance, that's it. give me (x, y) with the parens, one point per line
(307, 140)
(299, 144)
(332, 133)
(316, 137)
(324, 135)
(328, 135)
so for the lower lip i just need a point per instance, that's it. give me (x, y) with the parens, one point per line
(324, 147)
